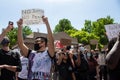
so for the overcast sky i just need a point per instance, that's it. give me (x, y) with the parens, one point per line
(77, 11)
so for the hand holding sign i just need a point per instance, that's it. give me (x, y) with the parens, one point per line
(45, 19)
(20, 22)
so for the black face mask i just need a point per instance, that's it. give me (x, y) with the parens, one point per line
(36, 47)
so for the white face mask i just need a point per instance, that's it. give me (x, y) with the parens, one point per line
(82, 49)
(88, 54)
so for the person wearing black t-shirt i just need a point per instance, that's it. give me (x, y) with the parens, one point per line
(9, 60)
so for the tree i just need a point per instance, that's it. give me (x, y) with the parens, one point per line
(87, 26)
(26, 31)
(12, 35)
(82, 36)
(91, 30)
(98, 28)
(63, 26)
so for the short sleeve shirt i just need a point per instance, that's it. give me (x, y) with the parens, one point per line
(39, 65)
(24, 62)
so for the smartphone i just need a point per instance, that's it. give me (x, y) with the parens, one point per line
(10, 23)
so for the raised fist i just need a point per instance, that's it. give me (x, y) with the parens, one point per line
(20, 22)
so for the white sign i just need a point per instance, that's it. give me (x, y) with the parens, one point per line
(32, 16)
(112, 30)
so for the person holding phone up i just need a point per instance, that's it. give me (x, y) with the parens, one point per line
(9, 60)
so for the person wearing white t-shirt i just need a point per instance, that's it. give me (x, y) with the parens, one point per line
(40, 58)
(24, 72)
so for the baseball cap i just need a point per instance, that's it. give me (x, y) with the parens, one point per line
(5, 41)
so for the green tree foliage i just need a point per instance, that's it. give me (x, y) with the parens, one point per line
(91, 30)
(63, 26)
(98, 28)
(82, 36)
(26, 31)
(87, 26)
(12, 35)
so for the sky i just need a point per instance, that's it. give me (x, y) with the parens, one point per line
(77, 11)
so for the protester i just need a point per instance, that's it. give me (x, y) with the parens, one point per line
(9, 59)
(40, 58)
(82, 66)
(102, 65)
(66, 64)
(113, 58)
(92, 66)
(24, 72)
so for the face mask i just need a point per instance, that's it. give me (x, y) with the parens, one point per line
(36, 47)
(88, 54)
(82, 49)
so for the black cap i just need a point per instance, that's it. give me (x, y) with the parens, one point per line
(5, 41)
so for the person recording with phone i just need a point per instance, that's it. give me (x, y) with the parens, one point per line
(9, 60)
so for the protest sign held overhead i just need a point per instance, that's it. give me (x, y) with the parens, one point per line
(65, 41)
(93, 41)
(112, 30)
(32, 16)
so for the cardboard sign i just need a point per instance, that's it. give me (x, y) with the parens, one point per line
(88, 47)
(105, 47)
(65, 41)
(32, 16)
(112, 30)
(93, 41)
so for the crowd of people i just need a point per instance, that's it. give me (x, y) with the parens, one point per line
(45, 62)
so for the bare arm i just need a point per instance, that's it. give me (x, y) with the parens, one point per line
(5, 32)
(113, 56)
(16, 75)
(78, 61)
(21, 44)
(8, 67)
(60, 58)
(50, 37)
(73, 76)
(11, 68)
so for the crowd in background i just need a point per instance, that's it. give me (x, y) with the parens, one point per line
(46, 62)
